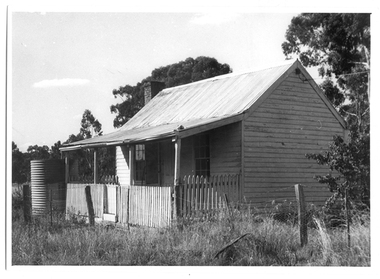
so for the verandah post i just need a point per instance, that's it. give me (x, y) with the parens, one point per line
(95, 166)
(67, 168)
(177, 176)
(131, 151)
(131, 154)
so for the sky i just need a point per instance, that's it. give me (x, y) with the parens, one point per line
(66, 62)
(62, 63)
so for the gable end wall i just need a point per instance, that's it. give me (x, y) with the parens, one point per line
(291, 122)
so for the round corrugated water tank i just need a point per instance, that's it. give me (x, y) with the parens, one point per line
(47, 186)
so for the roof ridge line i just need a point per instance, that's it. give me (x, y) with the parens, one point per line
(234, 74)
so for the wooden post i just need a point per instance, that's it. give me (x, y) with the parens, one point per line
(90, 206)
(26, 203)
(117, 203)
(131, 152)
(95, 166)
(128, 198)
(67, 168)
(301, 213)
(51, 206)
(347, 218)
(105, 199)
(177, 176)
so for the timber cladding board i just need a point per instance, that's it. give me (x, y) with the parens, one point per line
(271, 126)
(167, 162)
(291, 100)
(292, 120)
(291, 136)
(225, 149)
(296, 107)
(278, 134)
(288, 111)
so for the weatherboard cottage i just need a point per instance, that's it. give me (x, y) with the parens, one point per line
(238, 138)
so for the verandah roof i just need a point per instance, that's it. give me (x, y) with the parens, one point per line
(151, 133)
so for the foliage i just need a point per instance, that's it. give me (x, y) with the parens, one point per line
(349, 164)
(339, 44)
(36, 152)
(19, 166)
(17, 203)
(183, 72)
(21, 160)
(91, 127)
(54, 150)
(334, 42)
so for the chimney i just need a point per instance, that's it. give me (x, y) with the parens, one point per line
(151, 89)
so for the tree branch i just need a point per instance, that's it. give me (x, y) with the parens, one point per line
(350, 113)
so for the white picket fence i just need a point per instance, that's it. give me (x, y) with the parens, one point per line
(153, 206)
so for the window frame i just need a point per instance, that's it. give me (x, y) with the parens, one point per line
(202, 155)
(143, 163)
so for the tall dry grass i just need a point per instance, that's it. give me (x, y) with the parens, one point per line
(267, 242)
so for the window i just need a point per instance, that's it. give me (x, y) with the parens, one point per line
(202, 155)
(140, 162)
(146, 164)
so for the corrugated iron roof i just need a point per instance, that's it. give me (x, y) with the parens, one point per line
(146, 133)
(211, 98)
(194, 104)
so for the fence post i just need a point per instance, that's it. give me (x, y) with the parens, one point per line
(301, 213)
(105, 199)
(117, 203)
(90, 206)
(51, 206)
(227, 203)
(177, 198)
(128, 202)
(27, 203)
(347, 218)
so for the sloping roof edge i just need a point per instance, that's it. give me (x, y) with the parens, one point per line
(181, 130)
(322, 95)
(254, 105)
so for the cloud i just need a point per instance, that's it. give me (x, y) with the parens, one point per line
(60, 82)
(213, 18)
(78, 116)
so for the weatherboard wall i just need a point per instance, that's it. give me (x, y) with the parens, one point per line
(225, 149)
(122, 165)
(291, 122)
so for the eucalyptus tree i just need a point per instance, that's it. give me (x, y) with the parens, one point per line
(339, 45)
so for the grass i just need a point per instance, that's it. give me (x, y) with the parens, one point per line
(268, 242)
